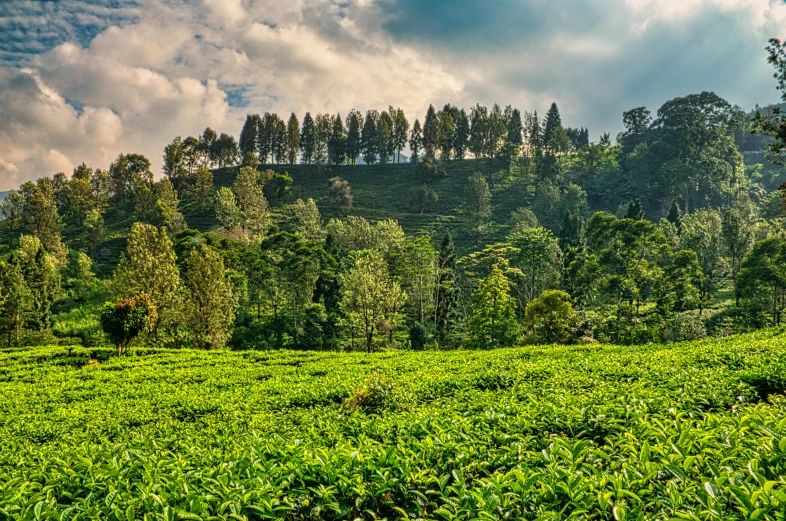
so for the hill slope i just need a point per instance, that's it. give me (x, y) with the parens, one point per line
(596, 431)
(385, 192)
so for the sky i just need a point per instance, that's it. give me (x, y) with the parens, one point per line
(82, 81)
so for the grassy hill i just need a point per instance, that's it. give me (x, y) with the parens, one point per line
(603, 432)
(385, 192)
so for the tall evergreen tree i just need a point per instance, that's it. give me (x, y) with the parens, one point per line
(354, 143)
(308, 139)
(515, 128)
(461, 141)
(430, 134)
(635, 210)
(479, 129)
(400, 131)
(369, 138)
(675, 216)
(338, 142)
(249, 135)
(415, 142)
(293, 139)
(553, 122)
(386, 145)
(493, 321)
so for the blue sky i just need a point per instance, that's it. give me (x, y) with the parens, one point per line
(84, 81)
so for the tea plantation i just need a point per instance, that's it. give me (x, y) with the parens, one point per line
(684, 431)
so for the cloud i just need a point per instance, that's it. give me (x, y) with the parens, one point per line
(84, 81)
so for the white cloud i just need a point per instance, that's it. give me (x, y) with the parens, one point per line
(170, 67)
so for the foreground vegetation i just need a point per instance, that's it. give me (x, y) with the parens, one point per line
(693, 430)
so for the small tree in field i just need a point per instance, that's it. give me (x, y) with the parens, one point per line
(124, 321)
(551, 317)
(493, 321)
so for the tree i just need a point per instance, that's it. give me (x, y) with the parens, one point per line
(537, 255)
(148, 267)
(40, 214)
(418, 336)
(249, 135)
(252, 207)
(634, 210)
(675, 217)
(515, 128)
(637, 124)
(423, 198)
(354, 143)
(431, 138)
(737, 237)
(202, 190)
(12, 209)
(340, 192)
(493, 320)
(211, 304)
(323, 127)
(478, 199)
(400, 131)
(762, 278)
(206, 146)
(702, 232)
(479, 131)
(445, 289)
(369, 139)
(461, 140)
(446, 132)
(124, 321)
(225, 150)
(175, 160)
(338, 142)
(385, 139)
(553, 122)
(550, 317)
(371, 298)
(167, 204)
(41, 272)
(293, 139)
(94, 226)
(415, 142)
(307, 214)
(308, 139)
(414, 261)
(16, 300)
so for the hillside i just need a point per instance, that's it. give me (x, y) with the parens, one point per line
(385, 192)
(547, 432)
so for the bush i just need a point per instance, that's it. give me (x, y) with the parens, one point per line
(124, 321)
(418, 336)
(684, 327)
(377, 393)
(551, 318)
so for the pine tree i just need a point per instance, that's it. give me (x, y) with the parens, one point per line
(293, 139)
(308, 139)
(493, 321)
(461, 142)
(385, 143)
(447, 132)
(415, 142)
(515, 128)
(430, 134)
(265, 135)
(249, 135)
(41, 272)
(338, 142)
(354, 143)
(400, 131)
(210, 303)
(445, 291)
(553, 122)
(369, 139)
(279, 141)
(479, 130)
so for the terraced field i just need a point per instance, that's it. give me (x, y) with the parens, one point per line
(690, 431)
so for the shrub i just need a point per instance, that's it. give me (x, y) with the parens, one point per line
(124, 321)
(418, 336)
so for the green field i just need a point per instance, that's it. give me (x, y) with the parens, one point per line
(692, 431)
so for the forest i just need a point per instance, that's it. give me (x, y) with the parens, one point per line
(499, 229)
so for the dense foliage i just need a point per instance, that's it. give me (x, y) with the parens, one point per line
(659, 432)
